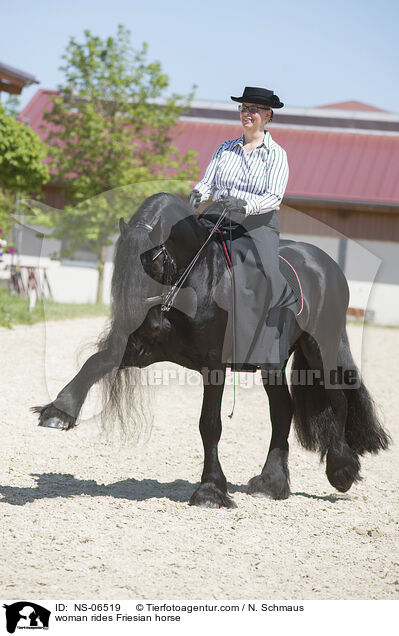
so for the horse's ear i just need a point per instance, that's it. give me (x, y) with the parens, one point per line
(123, 226)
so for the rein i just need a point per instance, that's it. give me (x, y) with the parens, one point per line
(168, 262)
(169, 297)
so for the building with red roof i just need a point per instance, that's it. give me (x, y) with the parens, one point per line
(343, 189)
(344, 163)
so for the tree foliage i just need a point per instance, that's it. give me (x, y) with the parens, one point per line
(111, 126)
(21, 165)
(7, 201)
(12, 105)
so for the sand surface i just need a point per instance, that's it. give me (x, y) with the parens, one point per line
(85, 518)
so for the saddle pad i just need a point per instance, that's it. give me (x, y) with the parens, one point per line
(293, 281)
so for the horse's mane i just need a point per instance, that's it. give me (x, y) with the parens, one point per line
(151, 209)
(148, 227)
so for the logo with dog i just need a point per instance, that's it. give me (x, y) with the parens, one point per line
(26, 615)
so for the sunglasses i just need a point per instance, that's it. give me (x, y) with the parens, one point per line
(250, 109)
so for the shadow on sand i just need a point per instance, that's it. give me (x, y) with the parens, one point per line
(53, 485)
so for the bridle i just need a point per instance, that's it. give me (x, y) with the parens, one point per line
(167, 299)
(168, 263)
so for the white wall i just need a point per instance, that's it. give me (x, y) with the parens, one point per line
(379, 300)
(75, 283)
(371, 267)
(69, 282)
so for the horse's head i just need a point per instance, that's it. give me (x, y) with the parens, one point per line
(152, 251)
(170, 262)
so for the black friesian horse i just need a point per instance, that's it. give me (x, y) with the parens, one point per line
(153, 250)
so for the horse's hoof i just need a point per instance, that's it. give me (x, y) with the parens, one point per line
(274, 480)
(209, 496)
(54, 422)
(342, 479)
(266, 485)
(51, 417)
(343, 471)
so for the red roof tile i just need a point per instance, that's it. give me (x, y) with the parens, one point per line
(323, 164)
(353, 105)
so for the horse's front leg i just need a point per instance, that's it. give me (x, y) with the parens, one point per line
(212, 493)
(274, 478)
(63, 412)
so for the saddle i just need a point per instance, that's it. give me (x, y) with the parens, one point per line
(286, 269)
(294, 297)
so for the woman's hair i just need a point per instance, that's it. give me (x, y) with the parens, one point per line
(271, 118)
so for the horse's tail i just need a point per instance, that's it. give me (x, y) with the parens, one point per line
(364, 431)
(314, 419)
(125, 392)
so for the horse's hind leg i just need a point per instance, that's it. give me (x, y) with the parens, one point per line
(342, 465)
(212, 493)
(274, 478)
(62, 413)
(321, 412)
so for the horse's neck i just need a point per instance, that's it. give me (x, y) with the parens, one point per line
(149, 213)
(173, 223)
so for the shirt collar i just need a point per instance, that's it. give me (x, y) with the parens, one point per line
(267, 140)
(265, 143)
(239, 141)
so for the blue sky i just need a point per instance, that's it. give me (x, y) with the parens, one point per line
(310, 52)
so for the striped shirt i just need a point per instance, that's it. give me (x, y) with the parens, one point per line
(260, 176)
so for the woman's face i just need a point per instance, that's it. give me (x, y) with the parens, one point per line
(255, 120)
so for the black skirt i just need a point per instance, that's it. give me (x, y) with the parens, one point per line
(262, 312)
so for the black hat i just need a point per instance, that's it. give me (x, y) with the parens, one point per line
(262, 96)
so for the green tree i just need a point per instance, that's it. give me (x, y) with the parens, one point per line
(108, 128)
(22, 170)
(12, 105)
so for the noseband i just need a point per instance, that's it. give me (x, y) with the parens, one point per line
(168, 298)
(168, 266)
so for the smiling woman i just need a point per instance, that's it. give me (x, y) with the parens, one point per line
(253, 170)
(254, 166)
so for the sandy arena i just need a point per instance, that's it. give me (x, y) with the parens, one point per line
(85, 518)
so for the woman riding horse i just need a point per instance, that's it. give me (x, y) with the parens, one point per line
(253, 170)
(156, 251)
